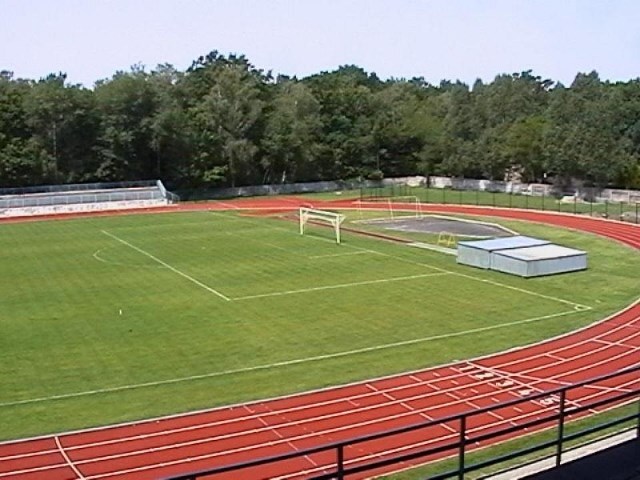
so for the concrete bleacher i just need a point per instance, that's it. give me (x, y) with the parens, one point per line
(60, 199)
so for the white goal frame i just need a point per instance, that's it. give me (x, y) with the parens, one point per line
(335, 219)
(412, 206)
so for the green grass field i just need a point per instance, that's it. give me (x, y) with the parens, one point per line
(119, 318)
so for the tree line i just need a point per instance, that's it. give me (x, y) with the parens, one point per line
(224, 122)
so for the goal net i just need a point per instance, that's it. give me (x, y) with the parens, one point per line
(307, 215)
(396, 207)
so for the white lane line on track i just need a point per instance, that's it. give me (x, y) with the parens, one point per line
(68, 460)
(285, 363)
(340, 285)
(522, 384)
(373, 455)
(165, 264)
(218, 438)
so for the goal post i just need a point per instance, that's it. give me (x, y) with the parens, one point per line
(334, 219)
(408, 205)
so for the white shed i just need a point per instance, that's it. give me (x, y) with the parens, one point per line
(477, 253)
(537, 261)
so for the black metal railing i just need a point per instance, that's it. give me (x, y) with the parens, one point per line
(465, 437)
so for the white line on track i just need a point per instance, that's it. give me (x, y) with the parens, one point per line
(165, 264)
(68, 460)
(285, 363)
(270, 413)
(340, 285)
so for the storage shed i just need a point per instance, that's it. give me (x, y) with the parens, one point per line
(477, 253)
(537, 261)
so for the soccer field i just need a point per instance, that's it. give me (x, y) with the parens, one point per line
(119, 318)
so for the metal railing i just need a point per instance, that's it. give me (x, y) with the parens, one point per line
(77, 194)
(74, 187)
(465, 437)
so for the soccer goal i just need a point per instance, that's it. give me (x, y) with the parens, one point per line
(404, 206)
(310, 214)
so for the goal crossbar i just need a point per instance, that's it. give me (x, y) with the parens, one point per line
(307, 214)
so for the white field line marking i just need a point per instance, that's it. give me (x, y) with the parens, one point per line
(341, 285)
(285, 363)
(165, 264)
(67, 459)
(468, 220)
(577, 306)
(98, 257)
(313, 257)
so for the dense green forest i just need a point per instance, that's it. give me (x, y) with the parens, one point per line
(224, 122)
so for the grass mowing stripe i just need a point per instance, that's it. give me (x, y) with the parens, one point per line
(342, 285)
(285, 363)
(173, 269)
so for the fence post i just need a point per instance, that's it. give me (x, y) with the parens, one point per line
(444, 193)
(563, 396)
(461, 449)
(340, 462)
(638, 429)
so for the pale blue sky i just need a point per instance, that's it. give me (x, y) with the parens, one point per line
(443, 39)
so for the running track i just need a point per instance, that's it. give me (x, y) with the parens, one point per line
(160, 447)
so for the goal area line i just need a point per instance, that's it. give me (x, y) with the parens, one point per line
(340, 285)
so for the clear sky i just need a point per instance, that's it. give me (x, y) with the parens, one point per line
(443, 39)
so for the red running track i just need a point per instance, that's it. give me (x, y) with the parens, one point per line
(161, 447)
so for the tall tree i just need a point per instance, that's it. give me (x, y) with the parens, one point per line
(291, 135)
